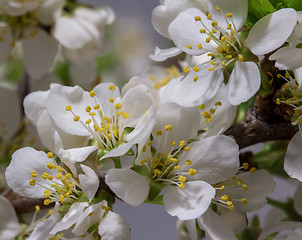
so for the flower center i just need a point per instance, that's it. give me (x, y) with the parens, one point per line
(59, 185)
(164, 168)
(108, 131)
(291, 95)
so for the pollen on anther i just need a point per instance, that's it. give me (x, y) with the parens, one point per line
(76, 118)
(229, 15)
(88, 109)
(199, 46)
(112, 87)
(192, 171)
(49, 155)
(96, 106)
(187, 149)
(158, 132)
(92, 93)
(68, 108)
(111, 100)
(186, 70)
(197, 18)
(196, 69)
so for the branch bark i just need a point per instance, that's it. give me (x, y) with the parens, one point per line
(256, 128)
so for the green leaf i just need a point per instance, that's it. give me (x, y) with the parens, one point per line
(155, 190)
(259, 8)
(243, 108)
(104, 195)
(271, 157)
(142, 170)
(266, 87)
(158, 200)
(295, 4)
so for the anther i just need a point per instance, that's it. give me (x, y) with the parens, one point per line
(68, 108)
(92, 93)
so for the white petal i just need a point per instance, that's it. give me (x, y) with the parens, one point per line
(215, 158)
(42, 230)
(190, 202)
(18, 173)
(287, 58)
(118, 151)
(278, 227)
(128, 185)
(190, 93)
(48, 134)
(135, 81)
(260, 184)
(99, 17)
(185, 123)
(103, 94)
(298, 76)
(163, 54)
(89, 182)
(48, 10)
(164, 14)
(78, 99)
(292, 160)
(40, 53)
(271, 31)
(135, 102)
(224, 115)
(91, 215)
(236, 220)
(80, 154)
(34, 103)
(216, 227)
(114, 227)
(70, 217)
(244, 82)
(9, 224)
(238, 9)
(185, 30)
(75, 37)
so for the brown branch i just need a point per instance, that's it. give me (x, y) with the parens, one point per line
(256, 128)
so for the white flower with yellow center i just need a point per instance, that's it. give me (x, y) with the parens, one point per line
(103, 115)
(35, 174)
(24, 28)
(185, 171)
(83, 42)
(217, 34)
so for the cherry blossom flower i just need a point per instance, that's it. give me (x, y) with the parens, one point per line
(185, 171)
(218, 35)
(40, 49)
(103, 115)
